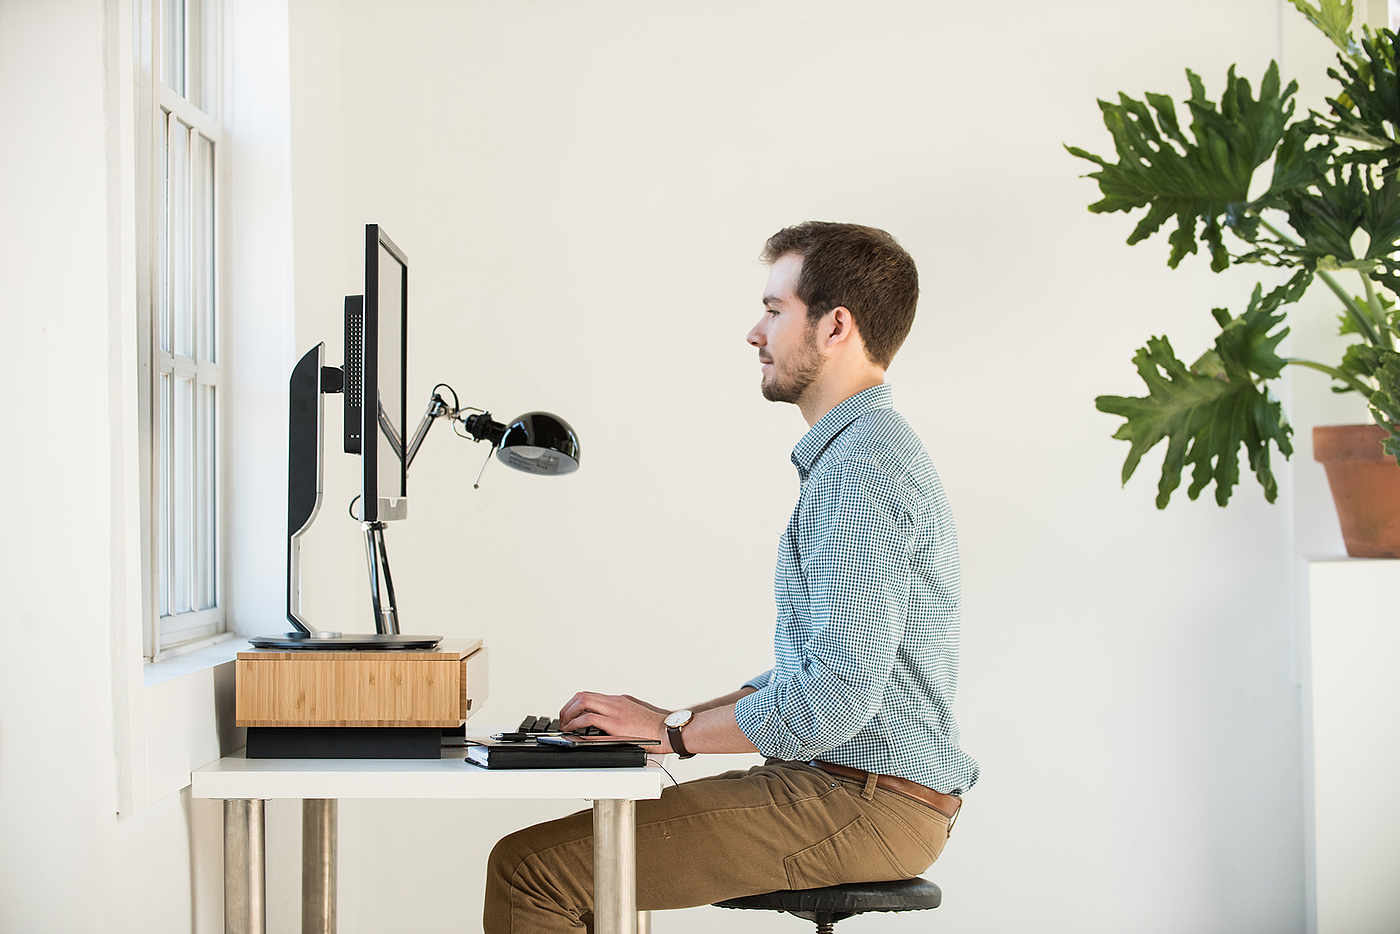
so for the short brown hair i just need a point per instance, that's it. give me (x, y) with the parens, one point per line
(862, 268)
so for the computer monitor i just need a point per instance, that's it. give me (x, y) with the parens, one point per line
(374, 383)
(376, 379)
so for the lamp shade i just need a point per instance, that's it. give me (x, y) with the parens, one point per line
(539, 443)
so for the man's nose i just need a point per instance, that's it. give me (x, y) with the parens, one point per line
(755, 335)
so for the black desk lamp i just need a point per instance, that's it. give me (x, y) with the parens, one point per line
(536, 442)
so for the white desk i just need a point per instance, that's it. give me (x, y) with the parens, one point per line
(244, 784)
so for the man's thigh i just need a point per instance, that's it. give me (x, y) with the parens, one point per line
(773, 827)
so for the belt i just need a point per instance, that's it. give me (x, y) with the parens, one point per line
(947, 805)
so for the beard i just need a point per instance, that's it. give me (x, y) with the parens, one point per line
(788, 381)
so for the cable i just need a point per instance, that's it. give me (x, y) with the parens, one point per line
(351, 510)
(449, 389)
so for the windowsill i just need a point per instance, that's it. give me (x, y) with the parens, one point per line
(188, 663)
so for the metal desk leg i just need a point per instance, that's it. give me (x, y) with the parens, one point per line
(318, 865)
(614, 866)
(245, 868)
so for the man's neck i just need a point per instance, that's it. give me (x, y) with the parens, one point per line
(826, 394)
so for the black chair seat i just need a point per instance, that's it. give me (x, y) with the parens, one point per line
(838, 902)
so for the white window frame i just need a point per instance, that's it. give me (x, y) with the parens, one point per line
(197, 362)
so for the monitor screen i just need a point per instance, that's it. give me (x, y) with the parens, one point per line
(384, 379)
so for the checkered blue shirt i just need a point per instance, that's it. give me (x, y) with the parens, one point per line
(869, 603)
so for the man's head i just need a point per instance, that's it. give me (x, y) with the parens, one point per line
(863, 269)
(839, 302)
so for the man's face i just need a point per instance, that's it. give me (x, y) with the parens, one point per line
(786, 342)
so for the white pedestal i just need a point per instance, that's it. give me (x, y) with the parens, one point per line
(1354, 653)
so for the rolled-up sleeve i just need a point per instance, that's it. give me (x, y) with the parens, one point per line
(850, 578)
(757, 682)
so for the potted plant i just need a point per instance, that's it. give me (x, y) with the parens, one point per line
(1333, 175)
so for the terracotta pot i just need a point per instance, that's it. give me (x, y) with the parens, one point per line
(1365, 485)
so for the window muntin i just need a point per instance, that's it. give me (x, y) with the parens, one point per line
(184, 317)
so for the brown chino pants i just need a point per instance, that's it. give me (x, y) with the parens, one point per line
(783, 825)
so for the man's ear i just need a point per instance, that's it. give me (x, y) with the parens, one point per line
(840, 326)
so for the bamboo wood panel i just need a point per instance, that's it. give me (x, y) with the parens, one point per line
(347, 688)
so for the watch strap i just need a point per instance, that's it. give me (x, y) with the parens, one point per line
(673, 735)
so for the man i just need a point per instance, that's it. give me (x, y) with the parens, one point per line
(864, 771)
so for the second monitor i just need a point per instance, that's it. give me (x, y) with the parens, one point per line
(376, 379)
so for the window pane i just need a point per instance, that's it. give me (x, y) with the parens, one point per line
(194, 73)
(202, 239)
(208, 520)
(178, 253)
(163, 530)
(162, 285)
(208, 58)
(183, 496)
(173, 19)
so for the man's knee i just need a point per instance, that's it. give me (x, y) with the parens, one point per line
(536, 856)
(509, 853)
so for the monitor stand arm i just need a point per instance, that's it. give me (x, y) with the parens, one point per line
(381, 583)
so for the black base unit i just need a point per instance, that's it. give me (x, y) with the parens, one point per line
(344, 742)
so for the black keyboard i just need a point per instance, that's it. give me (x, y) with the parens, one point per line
(535, 725)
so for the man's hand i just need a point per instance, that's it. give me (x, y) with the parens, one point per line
(617, 714)
(713, 729)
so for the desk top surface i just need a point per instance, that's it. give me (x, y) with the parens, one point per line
(448, 777)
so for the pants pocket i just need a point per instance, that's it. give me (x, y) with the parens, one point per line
(915, 835)
(853, 854)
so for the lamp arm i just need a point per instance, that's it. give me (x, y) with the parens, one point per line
(436, 409)
(480, 426)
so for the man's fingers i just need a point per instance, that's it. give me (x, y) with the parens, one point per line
(582, 708)
(578, 704)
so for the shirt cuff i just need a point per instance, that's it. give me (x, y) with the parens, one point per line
(757, 716)
(759, 682)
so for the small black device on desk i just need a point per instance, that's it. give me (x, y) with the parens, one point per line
(529, 754)
(538, 744)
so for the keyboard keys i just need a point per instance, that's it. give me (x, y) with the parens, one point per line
(551, 725)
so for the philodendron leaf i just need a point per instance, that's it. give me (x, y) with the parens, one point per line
(1333, 17)
(1346, 324)
(1203, 182)
(1206, 416)
(1327, 215)
(1385, 401)
(1369, 106)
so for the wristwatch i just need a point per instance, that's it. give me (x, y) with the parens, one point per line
(675, 722)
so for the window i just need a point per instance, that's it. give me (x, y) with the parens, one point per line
(182, 137)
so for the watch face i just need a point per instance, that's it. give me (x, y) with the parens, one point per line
(678, 718)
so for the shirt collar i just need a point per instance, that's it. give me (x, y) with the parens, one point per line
(815, 441)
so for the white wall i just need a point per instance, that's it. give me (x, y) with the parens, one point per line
(583, 189)
(74, 745)
(68, 371)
